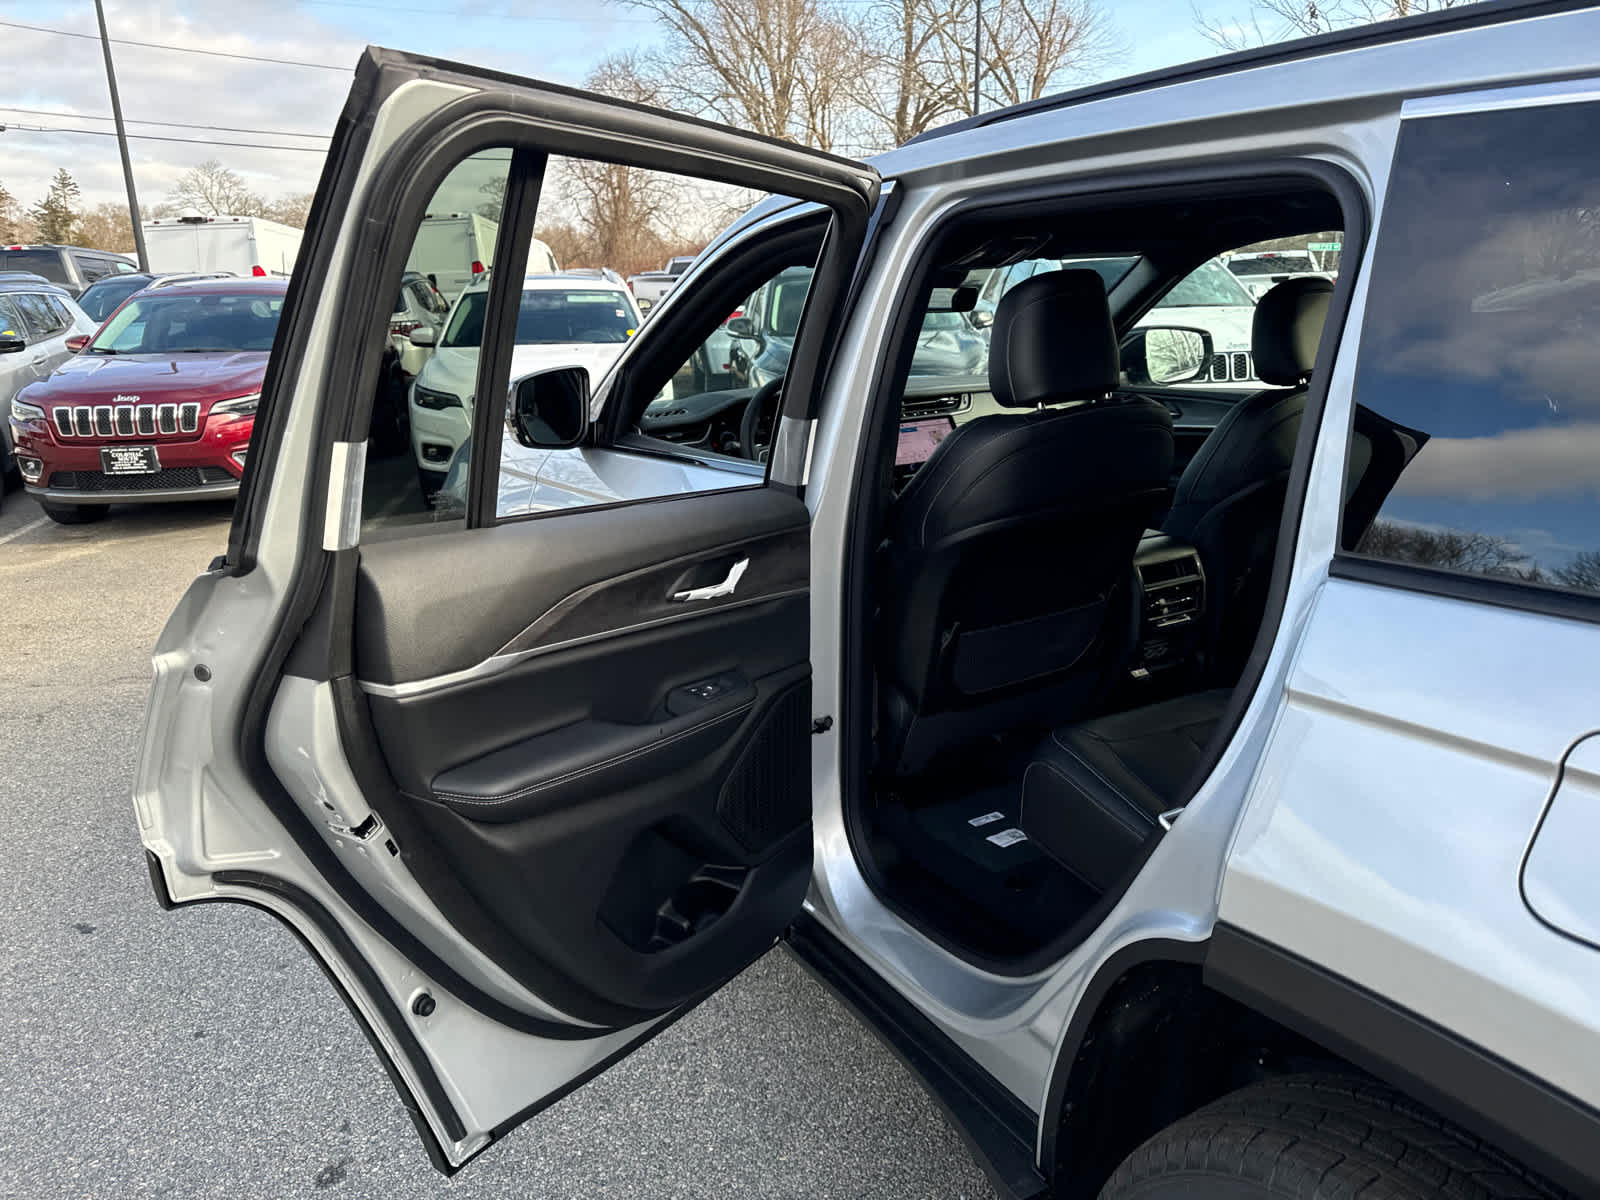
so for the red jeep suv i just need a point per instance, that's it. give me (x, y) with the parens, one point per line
(158, 406)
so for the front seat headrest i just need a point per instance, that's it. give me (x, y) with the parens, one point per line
(1287, 330)
(1052, 341)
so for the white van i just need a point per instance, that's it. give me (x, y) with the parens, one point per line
(238, 245)
(452, 248)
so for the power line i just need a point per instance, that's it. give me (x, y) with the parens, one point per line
(282, 62)
(500, 15)
(154, 137)
(78, 116)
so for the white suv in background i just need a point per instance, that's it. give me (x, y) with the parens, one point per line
(574, 320)
(41, 326)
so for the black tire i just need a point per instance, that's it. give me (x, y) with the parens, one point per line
(74, 514)
(1312, 1136)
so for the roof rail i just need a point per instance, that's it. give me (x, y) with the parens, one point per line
(1447, 20)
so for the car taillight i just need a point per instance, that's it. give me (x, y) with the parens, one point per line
(477, 267)
(403, 328)
(258, 271)
(78, 341)
(738, 312)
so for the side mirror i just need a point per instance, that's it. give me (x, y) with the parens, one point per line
(11, 343)
(78, 341)
(1163, 355)
(549, 410)
(741, 327)
(424, 335)
(981, 318)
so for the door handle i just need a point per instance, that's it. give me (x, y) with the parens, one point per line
(717, 591)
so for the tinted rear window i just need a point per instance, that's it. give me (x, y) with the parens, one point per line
(41, 262)
(1482, 340)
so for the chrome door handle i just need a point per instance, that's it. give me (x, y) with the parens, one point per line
(717, 591)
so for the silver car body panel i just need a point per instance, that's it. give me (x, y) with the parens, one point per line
(1342, 109)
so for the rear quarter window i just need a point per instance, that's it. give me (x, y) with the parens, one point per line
(1478, 376)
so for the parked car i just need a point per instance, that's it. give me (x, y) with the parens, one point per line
(564, 319)
(158, 406)
(71, 267)
(40, 328)
(1260, 270)
(649, 288)
(102, 297)
(1209, 298)
(417, 307)
(1196, 789)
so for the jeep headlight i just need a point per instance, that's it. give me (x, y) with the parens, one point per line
(25, 412)
(238, 405)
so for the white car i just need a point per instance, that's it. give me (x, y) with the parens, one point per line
(41, 327)
(565, 321)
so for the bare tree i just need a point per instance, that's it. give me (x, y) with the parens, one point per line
(1583, 571)
(782, 68)
(215, 191)
(608, 214)
(107, 226)
(291, 208)
(1030, 45)
(1275, 20)
(11, 217)
(919, 62)
(1451, 549)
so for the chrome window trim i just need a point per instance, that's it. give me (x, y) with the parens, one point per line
(1533, 95)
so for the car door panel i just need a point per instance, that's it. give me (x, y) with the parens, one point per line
(530, 790)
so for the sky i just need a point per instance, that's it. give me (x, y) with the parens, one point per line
(47, 79)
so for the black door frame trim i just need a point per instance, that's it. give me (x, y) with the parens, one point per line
(998, 1129)
(1549, 1130)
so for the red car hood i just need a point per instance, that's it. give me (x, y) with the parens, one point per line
(152, 378)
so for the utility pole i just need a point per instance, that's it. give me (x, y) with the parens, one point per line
(122, 142)
(977, 56)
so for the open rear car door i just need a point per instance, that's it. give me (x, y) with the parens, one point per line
(527, 789)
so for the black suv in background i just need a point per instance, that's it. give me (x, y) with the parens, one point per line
(71, 267)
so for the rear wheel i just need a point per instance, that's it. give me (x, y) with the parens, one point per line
(74, 514)
(1307, 1136)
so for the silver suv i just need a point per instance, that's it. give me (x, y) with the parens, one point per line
(1195, 786)
(41, 326)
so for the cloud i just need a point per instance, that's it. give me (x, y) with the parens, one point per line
(1519, 464)
(559, 40)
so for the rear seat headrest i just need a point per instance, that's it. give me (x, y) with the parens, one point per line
(1052, 341)
(1288, 329)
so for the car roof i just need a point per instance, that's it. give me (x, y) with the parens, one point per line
(229, 286)
(26, 281)
(545, 281)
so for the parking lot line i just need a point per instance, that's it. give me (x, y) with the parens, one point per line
(28, 528)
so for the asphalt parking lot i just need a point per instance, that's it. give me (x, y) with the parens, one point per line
(201, 1053)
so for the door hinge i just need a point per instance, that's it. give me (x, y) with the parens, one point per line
(821, 725)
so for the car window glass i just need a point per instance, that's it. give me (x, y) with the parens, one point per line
(63, 314)
(92, 268)
(164, 322)
(42, 261)
(423, 410)
(40, 318)
(1476, 448)
(11, 323)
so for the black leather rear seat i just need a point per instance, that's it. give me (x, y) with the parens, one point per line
(1094, 791)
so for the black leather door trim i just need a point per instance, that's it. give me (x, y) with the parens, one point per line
(779, 565)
